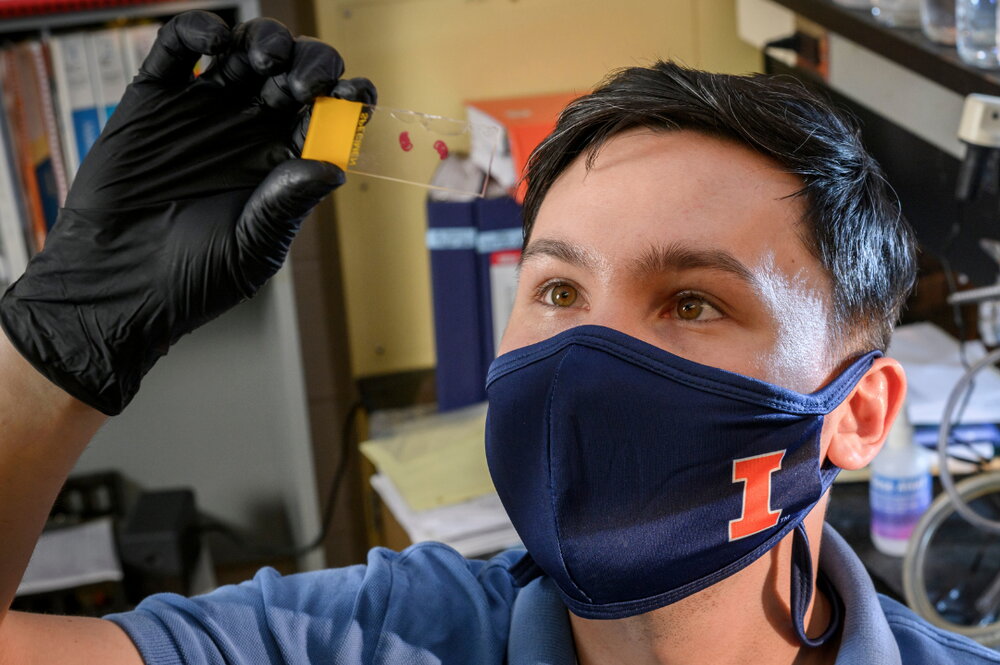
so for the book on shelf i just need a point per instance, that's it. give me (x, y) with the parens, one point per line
(78, 114)
(137, 40)
(56, 93)
(38, 157)
(106, 61)
(14, 236)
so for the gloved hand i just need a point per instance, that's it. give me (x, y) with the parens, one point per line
(185, 205)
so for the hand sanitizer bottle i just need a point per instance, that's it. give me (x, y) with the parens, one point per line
(899, 489)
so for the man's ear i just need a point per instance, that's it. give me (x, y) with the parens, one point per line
(859, 426)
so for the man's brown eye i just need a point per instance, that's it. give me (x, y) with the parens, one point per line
(690, 308)
(562, 295)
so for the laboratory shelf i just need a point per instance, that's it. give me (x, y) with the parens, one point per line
(906, 47)
(73, 18)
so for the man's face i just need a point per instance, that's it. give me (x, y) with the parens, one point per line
(687, 242)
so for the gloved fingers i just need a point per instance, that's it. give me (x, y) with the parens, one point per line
(261, 47)
(273, 213)
(181, 42)
(355, 89)
(316, 67)
(301, 129)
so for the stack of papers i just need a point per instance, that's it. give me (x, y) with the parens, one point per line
(475, 527)
(72, 556)
(435, 460)
(432, 475)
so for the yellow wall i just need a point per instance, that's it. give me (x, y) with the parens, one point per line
(430, 56)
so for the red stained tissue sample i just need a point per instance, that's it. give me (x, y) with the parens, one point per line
(442, 149)
(404, 141)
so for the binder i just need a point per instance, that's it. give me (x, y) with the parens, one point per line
(14, 240)
(38, 53)
(107, 67)
(78, 113)
(137, 40)
(451, 240)
(498, 250)
(42, 175)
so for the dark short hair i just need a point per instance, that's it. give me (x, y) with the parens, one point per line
(853, 222)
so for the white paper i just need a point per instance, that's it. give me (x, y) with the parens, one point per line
(503, 289)
(73, 556)
(932, 361)
(494, 160)
(474, 527)
(455, 179)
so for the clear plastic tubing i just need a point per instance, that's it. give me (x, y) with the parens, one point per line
(392, 144)
(976, 33)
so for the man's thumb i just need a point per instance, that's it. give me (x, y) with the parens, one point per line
(272, 215)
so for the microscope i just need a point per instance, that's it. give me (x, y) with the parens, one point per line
(979, 130)
(967, 608)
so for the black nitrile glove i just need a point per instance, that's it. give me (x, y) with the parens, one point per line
(185, 205)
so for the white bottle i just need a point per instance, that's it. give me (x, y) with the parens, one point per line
(900, 488)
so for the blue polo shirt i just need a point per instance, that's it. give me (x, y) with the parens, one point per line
(429, 605)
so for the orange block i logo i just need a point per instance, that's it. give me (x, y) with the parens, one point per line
(755, 474)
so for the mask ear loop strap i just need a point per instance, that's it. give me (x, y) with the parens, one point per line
(802, 588)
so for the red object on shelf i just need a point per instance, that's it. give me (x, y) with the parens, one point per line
(526, 121)
(21, 8)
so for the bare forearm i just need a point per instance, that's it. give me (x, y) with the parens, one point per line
(42, 433)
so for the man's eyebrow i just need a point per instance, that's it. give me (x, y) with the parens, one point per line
(657, 259)
(563, 251)
(666, 258)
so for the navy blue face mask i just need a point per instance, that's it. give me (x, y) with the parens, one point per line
(636, 478)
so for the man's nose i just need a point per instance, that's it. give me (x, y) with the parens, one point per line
(626, 317)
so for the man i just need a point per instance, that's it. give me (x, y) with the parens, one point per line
(711, 266)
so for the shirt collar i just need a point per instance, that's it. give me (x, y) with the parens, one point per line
(866, 637)
(540, 633)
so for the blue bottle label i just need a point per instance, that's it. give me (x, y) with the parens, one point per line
(898, 503)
